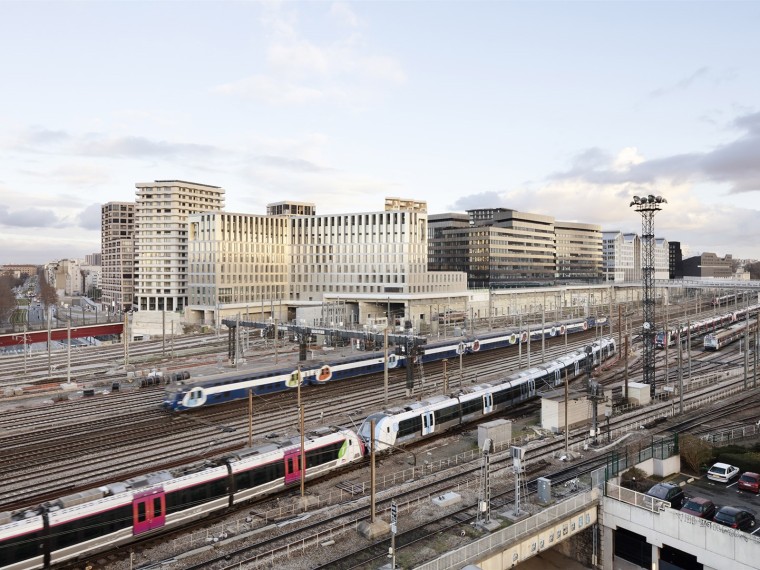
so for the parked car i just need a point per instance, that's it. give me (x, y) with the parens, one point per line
(699, 507)
(668, 492)
(722, 472)
(735, 517)
(750, 481)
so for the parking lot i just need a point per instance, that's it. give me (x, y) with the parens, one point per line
(723, 494)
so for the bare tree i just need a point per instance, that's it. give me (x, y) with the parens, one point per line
(754, 270)
(695, 452)
(8, 303)
(48, 296)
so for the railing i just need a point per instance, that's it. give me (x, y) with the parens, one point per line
(631, 497)
(497, 541)
(731, 434)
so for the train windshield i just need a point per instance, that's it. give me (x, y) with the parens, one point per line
(364, 430)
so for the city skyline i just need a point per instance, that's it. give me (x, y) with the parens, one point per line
(561, 109)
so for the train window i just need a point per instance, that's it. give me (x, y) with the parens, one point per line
(157, 507)
(447, 414)
(409, 426)
(472, 406)
(20, 548)
(141, 512)
(323, 455)
(90, 527)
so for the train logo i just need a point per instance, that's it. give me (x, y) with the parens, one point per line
(294, 380)
(324, 374)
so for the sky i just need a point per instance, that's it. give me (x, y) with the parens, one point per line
(567, 109)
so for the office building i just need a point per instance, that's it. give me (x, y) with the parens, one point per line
(259, 261)
(579, 252)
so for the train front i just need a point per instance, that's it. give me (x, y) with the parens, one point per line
(175, 393)
(381, 439)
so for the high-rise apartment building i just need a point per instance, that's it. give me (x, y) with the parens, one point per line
(117, 229)
(161, 254)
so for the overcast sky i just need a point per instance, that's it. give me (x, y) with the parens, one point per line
(560, 108)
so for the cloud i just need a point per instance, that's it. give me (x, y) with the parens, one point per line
(29, 218)
(301, 71)
(90, 217)
(736, 164)
(35, 140)
(341, 12)
(682, 84)
(293, 164)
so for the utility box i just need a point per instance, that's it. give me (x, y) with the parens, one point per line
(498, 431)
(544, 490)
(639, 393)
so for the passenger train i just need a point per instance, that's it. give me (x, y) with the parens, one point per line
(703, 326)
(183, 394)
(77, 526)
(719, 339)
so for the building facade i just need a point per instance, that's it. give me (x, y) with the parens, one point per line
(661, 259)
(253, 260)
(675, 260)
(117, 258)
(19, 270)
(579, 252)
(160, 243)
(709, 265)
(503, 248)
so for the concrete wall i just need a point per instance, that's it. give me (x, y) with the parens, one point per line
(714, 545)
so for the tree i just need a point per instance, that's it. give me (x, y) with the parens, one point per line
(8, 302)
(754, 270)
(48, 296)
(695, 452)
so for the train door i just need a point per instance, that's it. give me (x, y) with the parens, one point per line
(428, 423)
(528, 389)
(148, 510)
(293, 466)
(487, 403)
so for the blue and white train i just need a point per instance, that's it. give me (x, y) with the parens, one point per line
(187, 394)
(77, 526)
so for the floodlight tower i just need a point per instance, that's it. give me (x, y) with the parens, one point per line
(647, 206)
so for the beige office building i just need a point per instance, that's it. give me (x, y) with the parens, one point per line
(161, 249)
(259, 261)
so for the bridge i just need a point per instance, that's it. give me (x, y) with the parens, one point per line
(81, 331)
(525, 538)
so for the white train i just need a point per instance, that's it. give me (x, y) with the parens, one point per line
(418, 420)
